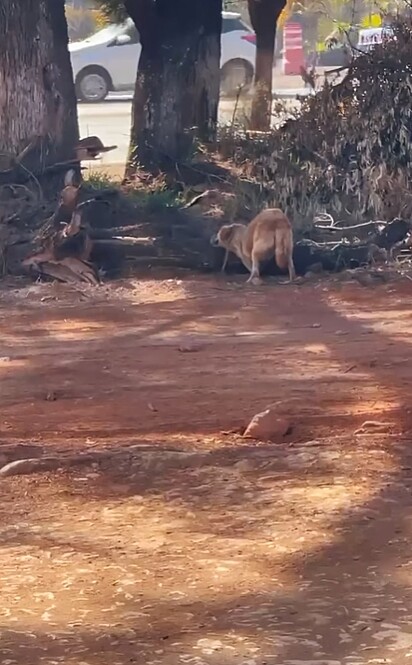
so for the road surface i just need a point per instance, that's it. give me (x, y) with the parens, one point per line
(110, 121)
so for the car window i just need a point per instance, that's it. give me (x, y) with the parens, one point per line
(232, 24)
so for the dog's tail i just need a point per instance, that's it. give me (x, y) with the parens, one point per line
(284, 250)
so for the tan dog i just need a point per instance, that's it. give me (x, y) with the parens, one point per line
(268, 234)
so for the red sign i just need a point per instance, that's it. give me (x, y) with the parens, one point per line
(293, 55)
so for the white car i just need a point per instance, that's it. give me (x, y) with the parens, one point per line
(108, 61)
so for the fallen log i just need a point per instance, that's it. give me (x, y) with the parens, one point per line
(384, 234)
(140, 245)
(131, 231)
(69, 270)
(336, 227)
(111, 255)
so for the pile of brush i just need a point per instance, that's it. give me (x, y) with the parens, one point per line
(348, 151)
(351, 148)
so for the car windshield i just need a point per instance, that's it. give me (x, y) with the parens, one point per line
(106, 34)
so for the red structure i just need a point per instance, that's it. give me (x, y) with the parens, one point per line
(293, 55)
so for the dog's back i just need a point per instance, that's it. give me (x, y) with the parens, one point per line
(271, 231)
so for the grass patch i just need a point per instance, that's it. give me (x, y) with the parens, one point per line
(98, 180)
(153, 195)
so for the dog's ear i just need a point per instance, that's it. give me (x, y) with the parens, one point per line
(225, 234)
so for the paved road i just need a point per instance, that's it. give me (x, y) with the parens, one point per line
(111, 122)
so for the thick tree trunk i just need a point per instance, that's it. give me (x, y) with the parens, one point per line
(37, 98)
(264, 16)
(177, 88)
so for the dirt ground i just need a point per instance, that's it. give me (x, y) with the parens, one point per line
(183, 542)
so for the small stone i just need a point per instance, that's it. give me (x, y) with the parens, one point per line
(373, 426)
(316, 325)
(245, 465)
(189, 348)
(268, 425)
(50, 396)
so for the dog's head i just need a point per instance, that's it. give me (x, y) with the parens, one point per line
(225, 236)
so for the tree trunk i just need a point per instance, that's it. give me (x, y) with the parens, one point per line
(37, 97)
(264, 16)
(177, 89)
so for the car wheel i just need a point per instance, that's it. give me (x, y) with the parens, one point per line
(236, 75)
(92, 85)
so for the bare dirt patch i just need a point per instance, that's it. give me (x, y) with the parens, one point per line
(184, 542)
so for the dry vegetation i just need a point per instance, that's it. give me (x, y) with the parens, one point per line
(349, 150)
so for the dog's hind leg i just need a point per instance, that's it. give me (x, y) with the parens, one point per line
(284, 256)
(225, 260)
(291, 268)
(254, 271)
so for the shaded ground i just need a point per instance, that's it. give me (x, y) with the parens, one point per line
(235, 553)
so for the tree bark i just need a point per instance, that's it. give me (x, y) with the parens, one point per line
(177, 88)
(264, 15)
(37, 97)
